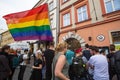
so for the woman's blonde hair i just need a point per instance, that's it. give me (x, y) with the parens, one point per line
(61, 46)
(39, 54)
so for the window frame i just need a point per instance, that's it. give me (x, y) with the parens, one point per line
(63, 1)
(113, 6)
(51, 5)
(116, 33)
(64, 24)
(51, 23)
(82, 13)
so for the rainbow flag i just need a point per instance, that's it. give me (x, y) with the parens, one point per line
(30, 25)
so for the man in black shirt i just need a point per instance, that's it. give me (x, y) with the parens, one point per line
(111, 62)
(86, 52)
(49, 54)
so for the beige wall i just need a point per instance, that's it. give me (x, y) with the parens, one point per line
(95, 10)
(6, 38)
(67, 4)
(96, 30)
(103, 25)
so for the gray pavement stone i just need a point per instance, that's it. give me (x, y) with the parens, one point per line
(27, 73)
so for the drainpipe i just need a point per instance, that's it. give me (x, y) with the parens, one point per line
(57, 21)
(0, 39)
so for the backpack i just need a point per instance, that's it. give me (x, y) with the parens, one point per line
(78, 67)
(117, 61)
(21, 58)
(15, 62)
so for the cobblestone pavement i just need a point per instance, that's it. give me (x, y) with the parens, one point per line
(26, 74)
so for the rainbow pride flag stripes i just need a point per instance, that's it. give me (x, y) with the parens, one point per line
(30, 25)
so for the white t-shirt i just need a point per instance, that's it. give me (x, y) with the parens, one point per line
(25, 57)
(100, 67)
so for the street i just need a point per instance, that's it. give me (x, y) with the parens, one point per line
(26, 75)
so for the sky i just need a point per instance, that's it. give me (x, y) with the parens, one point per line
(12, 6)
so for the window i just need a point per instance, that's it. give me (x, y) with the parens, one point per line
(82, 13)
(116, 37)
(51, 6)
(64, 1)
(66, 19)
(52, 24)
(112, 5)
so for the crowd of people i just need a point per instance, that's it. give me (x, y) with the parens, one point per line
(61, 63)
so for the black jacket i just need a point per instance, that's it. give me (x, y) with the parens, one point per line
(4, 67)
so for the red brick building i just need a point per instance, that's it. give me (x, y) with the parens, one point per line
(95, 22)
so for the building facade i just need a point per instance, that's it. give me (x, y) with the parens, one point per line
(95, 22)
(6, 38)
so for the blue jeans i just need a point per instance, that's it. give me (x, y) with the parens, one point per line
(43, 72)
